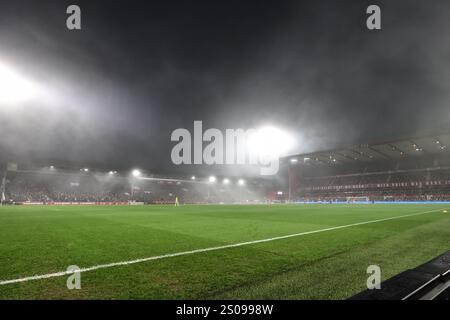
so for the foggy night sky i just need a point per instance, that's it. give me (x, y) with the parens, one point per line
(140, 69)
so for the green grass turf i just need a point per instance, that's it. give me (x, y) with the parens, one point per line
(327, 265)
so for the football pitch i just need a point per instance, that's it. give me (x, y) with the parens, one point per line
(318, 251)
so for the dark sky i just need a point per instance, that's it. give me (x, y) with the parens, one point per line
(140, 69)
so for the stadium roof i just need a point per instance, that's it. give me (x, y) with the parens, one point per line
(391, 150)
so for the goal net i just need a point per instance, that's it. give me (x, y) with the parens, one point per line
(357, 199)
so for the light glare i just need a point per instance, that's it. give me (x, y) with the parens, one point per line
(269, 141)
(14, 88)
(136, 173)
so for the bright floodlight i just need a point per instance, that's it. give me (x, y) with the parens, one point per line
(112, 173)
(226, 181)
(212, 179)
(136, 173)
(193, 178)
(294, 160)
(86, 170)
(280, 193)
(241, 182)
(14, 88)
(269, 141)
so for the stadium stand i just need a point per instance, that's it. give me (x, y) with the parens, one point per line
(51, 186)
(402, 170)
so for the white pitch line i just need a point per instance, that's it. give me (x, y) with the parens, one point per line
(177, 254)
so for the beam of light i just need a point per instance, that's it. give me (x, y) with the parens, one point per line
(269, 141)
(15, 88)
(241, 182)
(226, 181)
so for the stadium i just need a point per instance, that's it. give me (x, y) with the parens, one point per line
(109, 193)
(370, 204)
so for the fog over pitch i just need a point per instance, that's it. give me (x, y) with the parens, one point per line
(139, 70)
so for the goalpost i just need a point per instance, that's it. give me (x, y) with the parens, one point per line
(358, 199)
(2, 190)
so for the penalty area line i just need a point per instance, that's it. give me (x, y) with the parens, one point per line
(184, 253)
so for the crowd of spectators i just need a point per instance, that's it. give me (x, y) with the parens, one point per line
(414, 185)
(48, 188)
